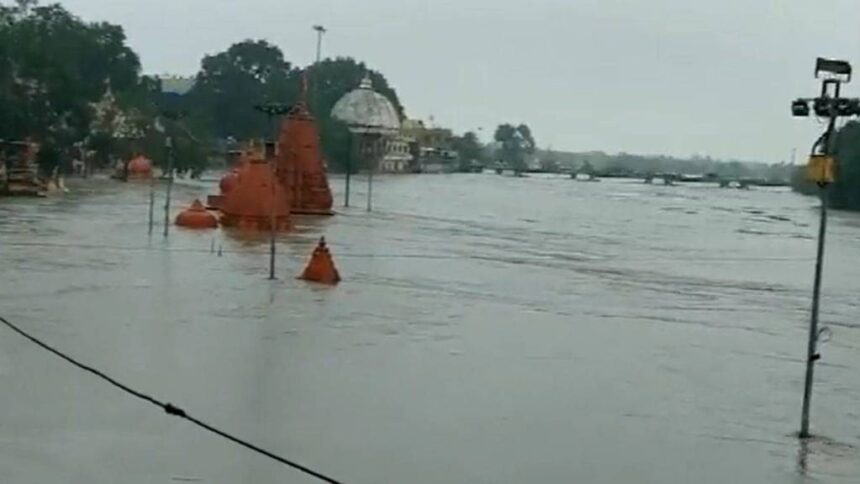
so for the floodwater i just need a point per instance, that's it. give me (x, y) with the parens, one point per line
(488, 329)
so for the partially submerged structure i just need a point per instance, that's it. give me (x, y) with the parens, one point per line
(265, 186)
(19, 173)
(255, 198)
(137, 168)
(300, 163)
(372, 119)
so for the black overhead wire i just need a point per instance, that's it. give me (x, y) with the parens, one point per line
(169, 408)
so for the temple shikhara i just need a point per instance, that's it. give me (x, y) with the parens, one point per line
(253, 196)
(269, 183)
(300, 163)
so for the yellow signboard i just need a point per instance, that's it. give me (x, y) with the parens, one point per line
(820, 169)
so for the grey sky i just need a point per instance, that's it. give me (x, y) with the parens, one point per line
(661, 76)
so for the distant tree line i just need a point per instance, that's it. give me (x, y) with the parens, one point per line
(76, 88)
(601, 163)
(252, 72)
(515, 146)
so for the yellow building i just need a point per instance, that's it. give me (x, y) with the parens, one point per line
(426, 136)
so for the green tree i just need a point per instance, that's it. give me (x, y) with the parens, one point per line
(844, 193)
(54, 67)
(230, 83)
(516, 144)
(469, 148)
(329, 81)
(845, 190)
(586, 169)
(549, 162)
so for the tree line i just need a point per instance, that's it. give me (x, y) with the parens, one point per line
(76, 88)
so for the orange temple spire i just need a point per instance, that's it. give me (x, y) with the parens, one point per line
(300, 163)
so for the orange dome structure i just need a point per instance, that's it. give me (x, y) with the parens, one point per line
(139, 168)
(300, 163)
(228, 181)
(256, 198)
(321, 266)
(196, 217)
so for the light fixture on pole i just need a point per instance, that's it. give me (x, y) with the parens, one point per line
(320, 30)
(272, 110)
(170, 107)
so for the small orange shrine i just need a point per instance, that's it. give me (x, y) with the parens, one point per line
(196, 217)
(139, 168)
(254, 198)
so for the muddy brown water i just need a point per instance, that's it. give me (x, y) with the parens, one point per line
(489, 329)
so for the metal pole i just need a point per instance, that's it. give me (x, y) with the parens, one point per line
(151, 203)
(272, 226)
(168, 143)
(811, 353)
(352, 150)
(370, 190)
(319, 43)
(371, 157)
(320, 31)
(272, 219)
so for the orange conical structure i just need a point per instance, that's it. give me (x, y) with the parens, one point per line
(321, 266)
(300, 163)
(196, 217)
(256, 197)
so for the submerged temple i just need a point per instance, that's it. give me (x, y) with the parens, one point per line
(287, 177)
(300, 163)
(254, 198)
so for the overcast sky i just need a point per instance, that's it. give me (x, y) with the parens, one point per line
(677, 77)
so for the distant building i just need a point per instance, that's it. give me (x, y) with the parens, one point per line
(398, 155)
(431, 147)
(435, 160)
(426, 136)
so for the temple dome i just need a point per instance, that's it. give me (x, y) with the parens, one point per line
(228, 181)
(367, 111)
(140, 167)
(196, 217)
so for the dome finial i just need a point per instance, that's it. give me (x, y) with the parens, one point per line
(366, 83)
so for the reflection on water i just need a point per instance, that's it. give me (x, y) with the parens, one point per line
(488, 329)
(821, 456)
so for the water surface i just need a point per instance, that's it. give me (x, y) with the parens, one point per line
(489, 329)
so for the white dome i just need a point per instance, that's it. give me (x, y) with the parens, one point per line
(366, 111)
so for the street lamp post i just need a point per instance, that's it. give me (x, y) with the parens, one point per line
(170, 108)
(353, 148)
(320, 31)
(272, 110)
(168, 146)
(820, 170)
